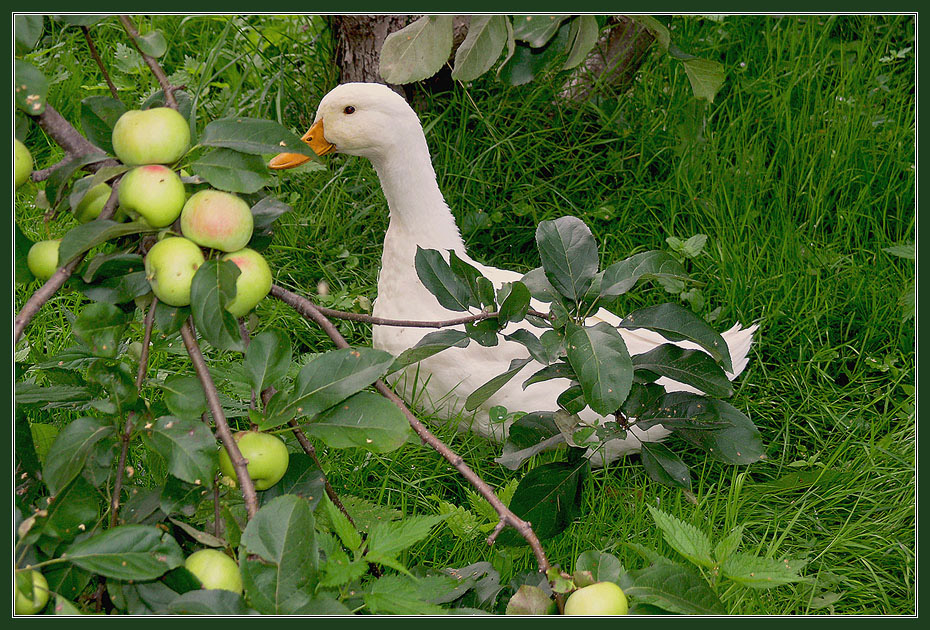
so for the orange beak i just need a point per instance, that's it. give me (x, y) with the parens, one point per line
(314, 139)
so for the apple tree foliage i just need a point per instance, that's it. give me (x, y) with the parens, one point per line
(113, 538)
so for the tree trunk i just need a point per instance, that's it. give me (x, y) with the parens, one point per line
(358, 45)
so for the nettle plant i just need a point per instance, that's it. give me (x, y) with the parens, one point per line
(111, 508)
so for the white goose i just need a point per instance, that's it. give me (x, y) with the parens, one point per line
(372, 121)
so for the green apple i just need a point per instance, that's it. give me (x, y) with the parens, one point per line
(253, 283)
(266, 455)
(600, 598)
(217, 219)
(170, 267)
(92, 203)
(26, 605)
(153, 192)
(22, 163)
(42, 258)
(215, 570)
(153, 136)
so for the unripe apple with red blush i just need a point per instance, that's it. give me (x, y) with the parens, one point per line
(153, 136)
(170, 267)
(253, 283)
(154, 193)
(217, 219)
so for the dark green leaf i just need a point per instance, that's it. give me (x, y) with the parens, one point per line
(536, 30)
(515, 303)
(621, 276)
(66, 579)
(674, 588)
(32, 394)
(529, 341)
(480, 288)
(282, 578)
(327, 380)
(100, 326)
(692, 367)
(30, 87)
(736, 442)
(267, 358)
(116, 381)
(56, 184)
(71, 450)
(526, 62)
(253, 135)
(233, 171)
(482, 47)
(530, 600)
(180, 497)
(127, 552)
(572, 399)
(483, 331)
(27, 29)
(169, 319)
(187, 446)
(184, 396)
(480, 395)
(437, 276)
(81, 238)
(417, 51)
(98, 117)
(365, 420)
(549, 497)
(217, 602)
(602, 365)
(303, 478)
(430, 344)
(266, 212)
(74, 509)
(556, 370)
(203, 538)
(213, 287)
(115, 289)
(664, 466)
(568, 253)
(677, 323)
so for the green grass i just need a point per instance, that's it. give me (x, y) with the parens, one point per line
(804, 172)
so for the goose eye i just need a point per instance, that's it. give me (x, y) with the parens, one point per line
(349, 110)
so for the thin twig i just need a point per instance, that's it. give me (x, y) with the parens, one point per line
(153, 65)
(310, 311)
(219, 419)
(146, 341)
(283, 294)
(103, 69)
(68, 138)
(58, 279)
(118, 482)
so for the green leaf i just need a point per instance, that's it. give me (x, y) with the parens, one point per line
(64, 607)
(664, 466)
(525, 62)
(621, 276)
(706, 77)
(116, 381)
(365, 420)
(30, 87)
(79, 20)
(602, 365)
(303, 478)
(677, 323)
(556, 370)
(66, 579)
(728, 436)
(210, 602)
(692, 367)
(152, 44)
(604, 567)
(480, 288)
(583, 37)
(169, 319)
(398, 595)
(203, 538)
(480, 395)
(529, 341)
(515, 302)
(213, 287)
(437, 276)
(906, 250)
(684, 538)
(98, 117)
(253, 135)
(282, 579)
(430, 344)
(568, 253)
(32, 394)
(343, 528)
(267, 358)
(57, 182)
(265, 212)
(326, 380)
(83, 237)
(127, 552)
(536, 30)
(184, 396)
(757, 572)
(530, 600)
(232, 170)
(529, 435)
(549, 497)
(417, 51)
(482, 47)
(180, 497)
(115, 289)
(188, 447)
(100, 327)
(74, 509)
(674, 588)
(656, 28)
(728, 545)
(386, 540)
(27, 29)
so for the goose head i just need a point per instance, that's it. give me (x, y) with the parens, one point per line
(364, 119)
